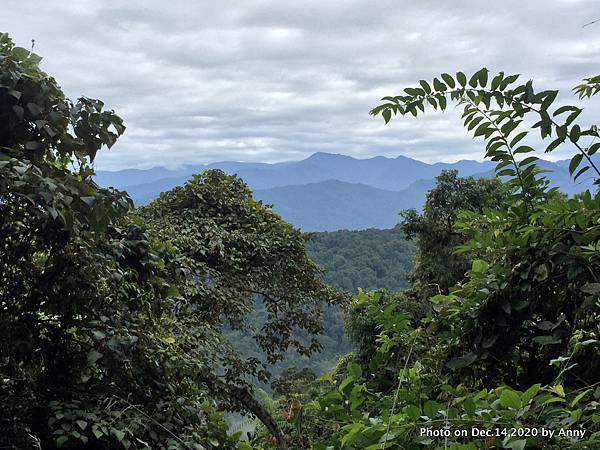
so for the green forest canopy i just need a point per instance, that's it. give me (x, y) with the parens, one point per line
(367, 259)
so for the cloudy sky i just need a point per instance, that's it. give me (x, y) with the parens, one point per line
(203, 81)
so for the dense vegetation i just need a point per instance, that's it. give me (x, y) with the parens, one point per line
(437, 268)
(111, 333)
(368, 259)
(116, 323)
(507, 354)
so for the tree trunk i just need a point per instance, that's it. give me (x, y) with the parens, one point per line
(244, 398)
(251, 404)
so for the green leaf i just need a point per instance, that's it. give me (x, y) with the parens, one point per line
(387, 115)
(496, 81)
(550, 96)
(469, 406)
(576, 414)
(523, 149)
(518, 138)
(98, 335)
(555, 143)
(93, 356)
(97, 432)
(432, 102)
(510, 399)
(462, 361)
(518, 444)
(20, 53)
(89, 200)
(414, 92)
(528, 160)
(448, 80)
(425, 86)
(553, 400)
(547, 340)
(483, 77)
(438, 85)
(530, 393)
(591, 288)
(474, 122)
(442, 101)
(118, 434)
(412, 412)
(431, 409)
(479, 266)
(507, 81)
(473, 80)
(579, 397)
(592, 149)
(575, 133)
(482, 129)
(581, 172)
(558, 389)
(354, 370)
(352, 431)
(575, 161)
(461, 78)
(563, 109)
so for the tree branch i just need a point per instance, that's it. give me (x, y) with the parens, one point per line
(245, 399)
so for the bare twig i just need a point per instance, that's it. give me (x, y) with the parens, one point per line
(591, 23)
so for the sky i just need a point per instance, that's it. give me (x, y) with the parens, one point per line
(204, 81)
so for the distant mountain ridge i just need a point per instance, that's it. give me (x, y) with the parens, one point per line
(379, 172)
(328, 192)
(335, 205)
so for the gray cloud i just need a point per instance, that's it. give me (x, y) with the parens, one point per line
(270, 81)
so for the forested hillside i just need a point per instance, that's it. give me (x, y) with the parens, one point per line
(367, 259)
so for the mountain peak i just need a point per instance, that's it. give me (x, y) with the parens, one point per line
(320, 156)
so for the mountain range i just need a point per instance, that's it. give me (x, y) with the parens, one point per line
(327, 192)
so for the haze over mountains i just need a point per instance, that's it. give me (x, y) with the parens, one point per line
(328, 192)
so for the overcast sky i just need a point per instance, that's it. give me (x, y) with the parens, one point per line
(203, 81)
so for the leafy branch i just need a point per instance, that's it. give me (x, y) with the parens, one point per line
(496, 124)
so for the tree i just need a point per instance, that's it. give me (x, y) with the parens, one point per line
(235, 252)
(436, 267)
(535, 243)
(111, 331)
(515, 344)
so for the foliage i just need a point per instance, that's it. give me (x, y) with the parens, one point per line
(507, 358)
(351, 260)
(367, 259)
(116, 323)
(111, 333)
(365, 324)
(236, 249)
(533, 249)
(436, 267)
